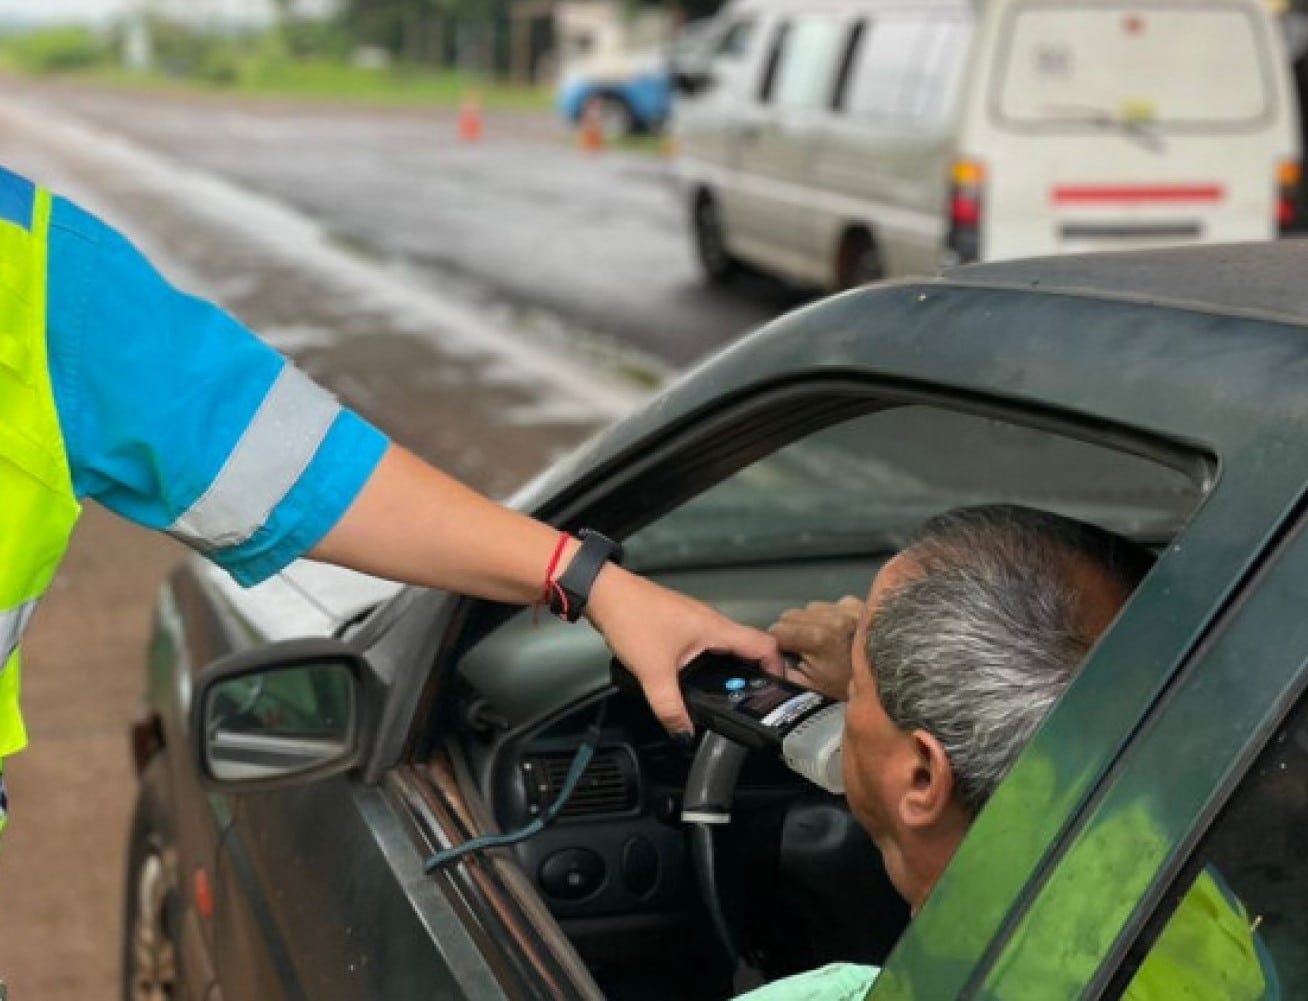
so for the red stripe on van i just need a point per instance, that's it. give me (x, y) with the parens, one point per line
(1144, 193)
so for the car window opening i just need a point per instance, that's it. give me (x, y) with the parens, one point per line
(814, 519)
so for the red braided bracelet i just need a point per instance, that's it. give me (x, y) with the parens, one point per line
(554, 565)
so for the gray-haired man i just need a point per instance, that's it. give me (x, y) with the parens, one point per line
(967, 638)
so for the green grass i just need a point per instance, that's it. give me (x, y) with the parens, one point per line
(399, 86)
(319, 80)
(53, 50)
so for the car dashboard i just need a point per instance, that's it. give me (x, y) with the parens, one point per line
(615, 867)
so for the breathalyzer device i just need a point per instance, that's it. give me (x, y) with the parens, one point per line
(765, 713)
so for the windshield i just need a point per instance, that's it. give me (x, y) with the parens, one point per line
(1174, 67)
(859, 488)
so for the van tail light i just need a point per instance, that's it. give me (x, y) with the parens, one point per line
(966, 210)
(1288, 177)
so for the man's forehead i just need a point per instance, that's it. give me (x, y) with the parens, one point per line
(894, 573)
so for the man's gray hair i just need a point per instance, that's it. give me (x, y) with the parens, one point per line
(976, 647)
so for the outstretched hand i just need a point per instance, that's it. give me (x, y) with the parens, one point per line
(820, 639)
(656, 632)
(416, 524)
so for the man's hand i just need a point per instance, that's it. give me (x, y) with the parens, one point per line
(656, 632)
(820, 636)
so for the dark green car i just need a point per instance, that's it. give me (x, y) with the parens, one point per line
(311, 742)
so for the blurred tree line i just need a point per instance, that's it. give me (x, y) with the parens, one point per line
(470, 36)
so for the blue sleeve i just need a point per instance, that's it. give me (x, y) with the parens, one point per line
(155, 388)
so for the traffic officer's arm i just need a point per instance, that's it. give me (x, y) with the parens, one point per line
(412, 522)
(177, 417)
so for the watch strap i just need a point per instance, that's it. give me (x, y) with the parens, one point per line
(571, 593)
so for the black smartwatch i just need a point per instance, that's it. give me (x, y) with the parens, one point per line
(571, 592)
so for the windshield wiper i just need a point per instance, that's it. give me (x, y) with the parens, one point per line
(1140, 128)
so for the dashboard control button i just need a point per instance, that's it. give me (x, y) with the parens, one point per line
(640, 866)
(571, 874)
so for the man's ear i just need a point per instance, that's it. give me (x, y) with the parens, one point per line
(930, 790)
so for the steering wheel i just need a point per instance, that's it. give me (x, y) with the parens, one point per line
(853, 912)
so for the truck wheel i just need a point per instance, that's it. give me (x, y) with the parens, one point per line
(715, 261)
(858, 261)
(149, 946)
(614, 115)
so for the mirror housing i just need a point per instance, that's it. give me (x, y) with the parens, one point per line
(283, 714)
(691, 82)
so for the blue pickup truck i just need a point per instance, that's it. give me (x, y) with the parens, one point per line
(632, 91)
(633, 94)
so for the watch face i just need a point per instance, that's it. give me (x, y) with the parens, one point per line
(578, 577)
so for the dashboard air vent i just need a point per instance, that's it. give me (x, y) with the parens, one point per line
(607, 786)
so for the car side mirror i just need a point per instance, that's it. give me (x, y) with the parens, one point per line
(691, 82)
(291, 712)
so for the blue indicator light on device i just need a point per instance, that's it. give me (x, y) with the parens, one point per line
(735, 684)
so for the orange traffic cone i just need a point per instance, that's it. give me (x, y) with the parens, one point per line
(470, 123)
(590, 134)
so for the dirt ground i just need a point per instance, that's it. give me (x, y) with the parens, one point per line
(61, 867)
(482, 414)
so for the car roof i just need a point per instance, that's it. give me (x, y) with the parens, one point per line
(1266, 280)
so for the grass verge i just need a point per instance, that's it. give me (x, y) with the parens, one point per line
(322, 80)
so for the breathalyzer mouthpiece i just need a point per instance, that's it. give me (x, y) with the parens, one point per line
(812, 749)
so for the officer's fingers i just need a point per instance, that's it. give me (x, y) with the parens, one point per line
(664, 697)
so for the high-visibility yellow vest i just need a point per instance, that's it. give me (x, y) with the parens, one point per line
(1207, 952)
(37, 506)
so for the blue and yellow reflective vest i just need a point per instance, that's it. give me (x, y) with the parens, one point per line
(37, 505)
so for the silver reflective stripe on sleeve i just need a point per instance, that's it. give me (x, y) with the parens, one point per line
(12, 624)
(274, 451)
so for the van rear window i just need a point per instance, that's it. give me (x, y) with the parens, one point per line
(1177, 67)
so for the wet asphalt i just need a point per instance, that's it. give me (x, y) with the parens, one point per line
(521, 220)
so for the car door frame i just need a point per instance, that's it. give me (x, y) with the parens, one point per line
(282, 930)
(770, 197)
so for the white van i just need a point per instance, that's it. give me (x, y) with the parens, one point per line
(839, 142)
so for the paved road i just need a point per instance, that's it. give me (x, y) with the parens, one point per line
(522, 218)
